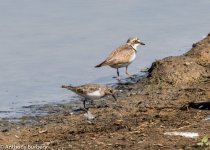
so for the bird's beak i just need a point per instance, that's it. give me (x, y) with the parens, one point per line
(114, 97)
(141, 43)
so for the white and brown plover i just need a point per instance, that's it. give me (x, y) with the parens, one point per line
(123, 56)
(91, 91)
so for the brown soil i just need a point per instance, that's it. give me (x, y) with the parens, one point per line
(138, 120)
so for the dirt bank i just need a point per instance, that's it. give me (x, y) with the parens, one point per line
(138, 120)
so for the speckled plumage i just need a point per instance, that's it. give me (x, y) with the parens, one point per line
(91, 91)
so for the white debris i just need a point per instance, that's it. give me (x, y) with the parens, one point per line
(208, 118)
(204, 36)
(185, 134)
(89, 115)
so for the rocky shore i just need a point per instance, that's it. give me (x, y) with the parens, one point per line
(157, 104)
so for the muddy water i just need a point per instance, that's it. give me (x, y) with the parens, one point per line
(44, 44)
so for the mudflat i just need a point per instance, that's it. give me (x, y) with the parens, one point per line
(145, 111)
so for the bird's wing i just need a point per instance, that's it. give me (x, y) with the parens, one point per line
(120, 55)
(83, 89)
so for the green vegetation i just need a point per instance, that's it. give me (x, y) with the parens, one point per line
(204, 142)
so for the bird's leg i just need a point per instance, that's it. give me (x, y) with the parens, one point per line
(114, 97)
(126, 72)
(84, 106)
(118, 74)
(84, 103)
(86, 109)
(91, 102)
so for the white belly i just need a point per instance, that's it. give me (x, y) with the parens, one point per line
(125, 64)
(94, 95)
(132, 58)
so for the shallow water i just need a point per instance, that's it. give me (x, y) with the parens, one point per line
(44, 44)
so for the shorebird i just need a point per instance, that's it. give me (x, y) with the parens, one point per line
(91, 91)
(123, 56)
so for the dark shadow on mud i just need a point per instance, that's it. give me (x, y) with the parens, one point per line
(204, 105)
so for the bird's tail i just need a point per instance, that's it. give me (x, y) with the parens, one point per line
(69, 87)
(101, 64)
